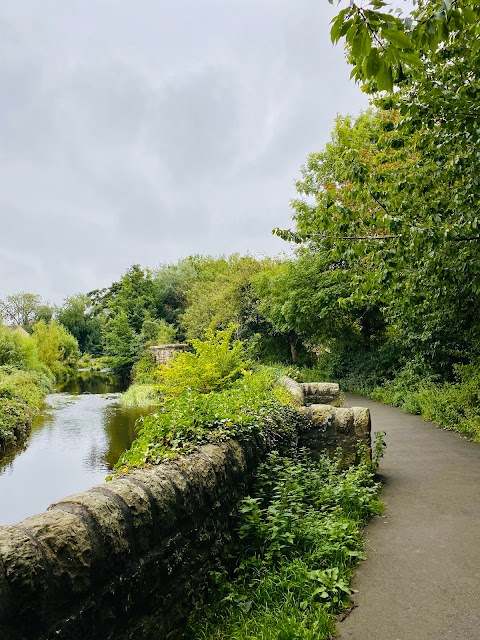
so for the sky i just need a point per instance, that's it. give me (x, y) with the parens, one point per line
(142, 131)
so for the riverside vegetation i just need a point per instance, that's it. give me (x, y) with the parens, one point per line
(29, 367)
(299, 533)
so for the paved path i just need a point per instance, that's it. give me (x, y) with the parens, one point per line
(421, 579)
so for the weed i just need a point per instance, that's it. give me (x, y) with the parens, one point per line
(299, 539)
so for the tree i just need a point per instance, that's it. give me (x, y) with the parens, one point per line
(77, 316)
(369, 199)
(157, 332)
(123, 346)
(222, 295)
(136, 296)
(56, 347)
(24, 309)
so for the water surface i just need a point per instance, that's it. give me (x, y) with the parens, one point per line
(72, 446)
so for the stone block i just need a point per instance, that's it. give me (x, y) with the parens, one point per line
(24, 583)
(66, 547)
(107, 519)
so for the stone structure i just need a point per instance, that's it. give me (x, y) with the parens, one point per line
(165, 352)
(328, 427)
(305, 393)
(125, 559)
(129, 559)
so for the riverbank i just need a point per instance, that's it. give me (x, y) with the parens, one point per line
(22, 398)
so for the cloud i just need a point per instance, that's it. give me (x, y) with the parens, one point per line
(143, 132)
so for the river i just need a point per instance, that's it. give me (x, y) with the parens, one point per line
(73, 445)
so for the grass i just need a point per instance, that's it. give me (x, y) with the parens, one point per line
(298, 541)
(141, 396)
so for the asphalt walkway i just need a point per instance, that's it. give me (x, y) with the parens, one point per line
(421, 579)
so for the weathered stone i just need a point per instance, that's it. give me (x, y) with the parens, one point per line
(329, 429)
(320, 392)
(343, 420)
(295, 389)
(66, 543)
(362, 422)
(24, 572)
(110, 522)
(165, 352)
(137, 500)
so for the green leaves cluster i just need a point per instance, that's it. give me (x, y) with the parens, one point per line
(252, 407)
(22, 395)
(386, 46)
(214, 364)
(299, 539)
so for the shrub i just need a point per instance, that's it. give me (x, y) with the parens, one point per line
(215, 364)
(18, 349)
(299, 539)
(22, 395)
(252, 406)
(56, 347)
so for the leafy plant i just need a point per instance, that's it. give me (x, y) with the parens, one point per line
(299, 539)
(215, 363)
(252, 407)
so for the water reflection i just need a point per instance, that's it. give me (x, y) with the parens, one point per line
(92, 382)
(72, 446)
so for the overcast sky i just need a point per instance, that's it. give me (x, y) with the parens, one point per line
(142, 131)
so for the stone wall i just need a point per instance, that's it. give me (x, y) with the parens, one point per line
(125, 559)
(165, 352)
(306, 393)
(328, 427)
(129, 558)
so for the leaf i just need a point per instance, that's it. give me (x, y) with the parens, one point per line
(372, 65)
(340, 25)
(398, 38)
(384, 77)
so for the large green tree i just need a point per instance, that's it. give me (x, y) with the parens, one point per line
(77, 316)
(369, 199)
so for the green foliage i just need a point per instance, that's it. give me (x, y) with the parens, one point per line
(143, 371)
(299, 538)
(22, 396)
(141, 395)
(222, 295)
(78, 318)
(387, 49)
(18, 349)
(157, 332)
(215, 363)
(452, 405)
(135, 296)
(173, 283)
(123, 345)
(24, 309)
(371, 203)
(250, 407)
(56, 347)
